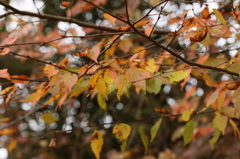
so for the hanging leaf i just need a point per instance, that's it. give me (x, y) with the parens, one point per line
(232, 85)
(179, 75)
(221, 99)
(11, 40)
(199, 34)
(187, 114)
(122, 130)
(5, 51)
(188, 132)
(56, 79)
(94, 53)
(110, 18)
(52, 143)
(12, 145)
(70, 80)
(121, 87)
(219, 16)
(235, 128)
(209, 81)
(230, 112)
(213, 97)
(63, 63)
(154, 85)
(205, 13)
(80, 87)
(136, 77)
(215, 137)
(102, 101)
(125, 45)
(50, 70)
(7, 131)
(154, 129)
(97, 143)
(49, 118)
(65, 4)
(162, 110)
(220, 121)
(4, 73)
(23, 79)
(102, 87)
(124, 145)
(144, 139)
(6, 90)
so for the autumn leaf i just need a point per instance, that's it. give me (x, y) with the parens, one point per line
(162, 110)
(65, 3)
(97, 143)
(154, 129)
(220, 121)
(5, 51)
(125, 45)
(187, 114)
(188, 132)
(110, 18)
(199, 34)
(219, 16)
(50, 70)
(12, 145)
(205, 13)
(23, 79)
(102, 101)
(11, 40)
(136, 77)
(179, 75)
(122, 130)
(215, 137)
(49, 118)
(7, 131)
(144, 139)
(4, 73)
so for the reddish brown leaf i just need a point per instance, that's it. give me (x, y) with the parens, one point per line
(205, 13)
(199, 34)
(11, 40)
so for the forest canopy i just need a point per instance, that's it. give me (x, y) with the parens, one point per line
(147, 79)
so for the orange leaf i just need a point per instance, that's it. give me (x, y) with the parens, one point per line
(110, 18)
(23, 79)
(12, 145)
(7, 131)
(4, 73)
(65, 4)
(199, 35)
(50, 70)
(205, 13)
(5, 51)
(6, 90)
(63, 62)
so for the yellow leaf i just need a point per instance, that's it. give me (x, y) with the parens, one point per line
(187, 114)
(101, 101)
(151, 65)
(48, 118)
(235, 128)
(179, 75)
(97, 143)
(80, 87)
(56, 79)
(35, 97)
(219, 16)
(6, 90)
(12, 145)
(144, 139)
(140, 52)
(52, 99)
(122, 130)
(220, 121)
(50, 70)
(7, 131)
(121, 87)
(63, 62)
(101, 87)
(95, 78)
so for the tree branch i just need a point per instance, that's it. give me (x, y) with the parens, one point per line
(66, 19)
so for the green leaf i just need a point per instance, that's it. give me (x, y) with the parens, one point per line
(154, 85)
(188, 132)
(144, 139)
(179, 75)
(220, 121)
(49, 118)
(101, 101)
(215, 137)
(155, 128)
(187, 114)
(124, 145)
(219, 16)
